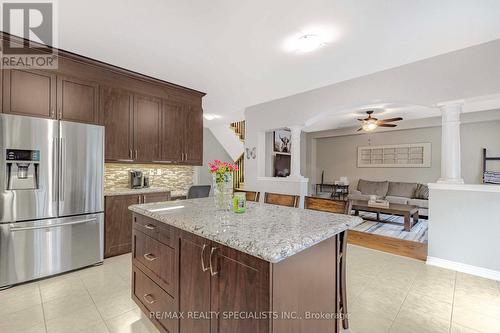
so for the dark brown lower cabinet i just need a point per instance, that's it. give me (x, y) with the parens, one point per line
(239, 286)
(117, 224)
(118, 220)
(217, 289)
(194, 282)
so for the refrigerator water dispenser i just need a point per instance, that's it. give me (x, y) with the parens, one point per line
(22, 169)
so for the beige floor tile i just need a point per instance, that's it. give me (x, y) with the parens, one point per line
(476, 286)
(483, 303)
(366, 269)
(99, 328)
(66, 277)
(19, 298)
(131, 322)
(385, 292)
(455, 328)
(110, 290)
(40, 328)
(437, 273)
(435, 288)
(398, 280)
(356, 284)
(63, 286)
(415, 321)
(82, 319)
(23, 320)
(475, 320)
(362, 320)
(429, 305)
(65, 306)
(115, 306)
(381, 300)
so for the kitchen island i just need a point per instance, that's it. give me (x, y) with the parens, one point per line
(271, 269)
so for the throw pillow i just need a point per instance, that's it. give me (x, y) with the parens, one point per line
(422, 192)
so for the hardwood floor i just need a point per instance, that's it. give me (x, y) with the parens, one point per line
(400, 247)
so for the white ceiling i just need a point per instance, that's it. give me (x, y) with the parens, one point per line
(233, 50)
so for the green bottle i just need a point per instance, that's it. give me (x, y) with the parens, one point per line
(239, 202)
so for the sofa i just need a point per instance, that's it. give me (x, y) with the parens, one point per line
(395, 192)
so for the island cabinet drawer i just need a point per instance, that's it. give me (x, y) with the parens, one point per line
(156, 259)
(157, 230)
(156, 301)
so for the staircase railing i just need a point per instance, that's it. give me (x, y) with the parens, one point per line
(239, 176)
(239, 128)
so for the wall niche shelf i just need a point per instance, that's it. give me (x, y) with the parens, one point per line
(409, 155)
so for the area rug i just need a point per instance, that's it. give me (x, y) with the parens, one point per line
(392, 226)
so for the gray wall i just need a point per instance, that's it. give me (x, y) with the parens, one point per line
(464, 227)
(338, 155)
(212, 150)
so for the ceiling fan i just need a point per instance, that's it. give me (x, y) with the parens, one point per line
(370, 123)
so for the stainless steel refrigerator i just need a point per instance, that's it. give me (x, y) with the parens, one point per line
(51, 197)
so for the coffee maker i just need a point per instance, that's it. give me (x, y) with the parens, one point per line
(136, 179)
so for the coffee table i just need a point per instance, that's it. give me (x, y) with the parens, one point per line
(409, 212)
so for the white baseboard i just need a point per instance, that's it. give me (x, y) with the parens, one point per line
(464, 268)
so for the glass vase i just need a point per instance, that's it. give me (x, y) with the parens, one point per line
(223, 190)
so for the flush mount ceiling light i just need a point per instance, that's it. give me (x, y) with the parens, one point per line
(308, 43)
(210, 116)
(309, 39)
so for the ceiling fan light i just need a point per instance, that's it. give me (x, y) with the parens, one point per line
(369, 126)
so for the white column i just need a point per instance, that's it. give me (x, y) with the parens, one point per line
(450, 143)
(295, 158)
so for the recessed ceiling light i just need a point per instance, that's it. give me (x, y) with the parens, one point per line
(309, 43)
(210, 116)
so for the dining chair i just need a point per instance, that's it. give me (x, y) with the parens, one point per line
(250, 195)
(198, 191)
(339, 207)
(281, 199)
(328, 205)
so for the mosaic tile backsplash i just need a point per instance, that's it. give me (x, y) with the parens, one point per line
(174, 177)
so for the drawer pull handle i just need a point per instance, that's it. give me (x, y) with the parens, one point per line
(203, 267)
(150, 257)
(212, 271)
(150, 226)
(149, 298)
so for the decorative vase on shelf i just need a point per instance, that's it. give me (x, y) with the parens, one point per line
(222, 180)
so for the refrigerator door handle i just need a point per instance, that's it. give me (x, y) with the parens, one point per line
(61, 169)
(55, 147)
(52, 225)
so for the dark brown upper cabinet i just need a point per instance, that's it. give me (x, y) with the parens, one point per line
(77, 100)
(193, 138)
(147, 120)
(29, 93)
(147, 128)
(172, 131)
(118, 119)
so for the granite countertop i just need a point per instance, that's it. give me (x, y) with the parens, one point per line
(269, 232)
(129, 191)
